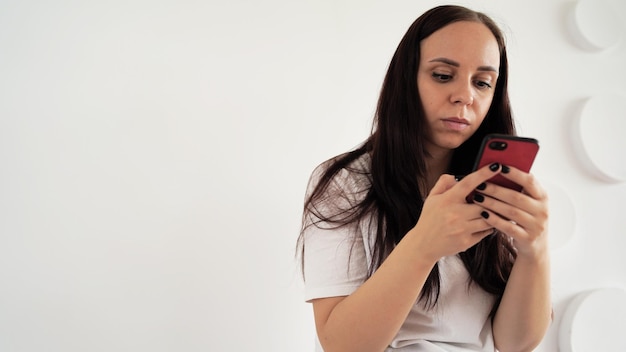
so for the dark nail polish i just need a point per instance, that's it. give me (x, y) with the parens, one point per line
(485, 215)
(478, 198)
(505, 169)
(458, 178)
(482, 186)
(494, 167)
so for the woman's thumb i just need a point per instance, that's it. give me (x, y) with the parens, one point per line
(444, 183)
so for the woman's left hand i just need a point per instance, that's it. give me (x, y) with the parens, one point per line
(521, 215)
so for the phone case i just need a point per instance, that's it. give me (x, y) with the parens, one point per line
(519, 152)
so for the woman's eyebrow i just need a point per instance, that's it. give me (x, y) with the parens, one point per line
(456, 64)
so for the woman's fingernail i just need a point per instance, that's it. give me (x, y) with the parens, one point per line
(482, 186)
(458, 178)
(494, 167)
(505, 169)
(485, 215)
(478, 198)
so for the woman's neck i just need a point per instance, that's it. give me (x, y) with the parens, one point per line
(436, 165)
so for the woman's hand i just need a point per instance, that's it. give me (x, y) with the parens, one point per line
(448, 224)
(521, 215)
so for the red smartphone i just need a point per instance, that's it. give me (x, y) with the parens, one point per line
(519, 152)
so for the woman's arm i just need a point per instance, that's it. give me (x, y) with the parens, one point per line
(369, 318)
(524, 314)
(525, 311)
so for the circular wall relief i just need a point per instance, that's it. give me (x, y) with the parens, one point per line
(562, 216)
(600, 144)
(594, 321)
(595, 26)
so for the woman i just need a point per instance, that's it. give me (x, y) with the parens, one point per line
(394, 257)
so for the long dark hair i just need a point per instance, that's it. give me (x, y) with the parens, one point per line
(397, 151)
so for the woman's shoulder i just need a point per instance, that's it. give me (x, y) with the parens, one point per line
(339, 184)
(353, 174)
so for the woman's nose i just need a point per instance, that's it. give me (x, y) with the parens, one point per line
(462, 94)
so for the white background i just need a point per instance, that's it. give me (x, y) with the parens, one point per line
(154, 157)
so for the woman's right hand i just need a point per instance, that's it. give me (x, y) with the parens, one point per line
(449, 224)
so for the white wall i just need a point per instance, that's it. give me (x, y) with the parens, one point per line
(154, 156)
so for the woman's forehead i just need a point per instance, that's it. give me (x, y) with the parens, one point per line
(466, 43)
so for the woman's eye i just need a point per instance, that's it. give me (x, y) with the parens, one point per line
(441, 77)
(483, 84)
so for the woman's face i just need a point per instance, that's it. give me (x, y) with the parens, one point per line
(456, 81)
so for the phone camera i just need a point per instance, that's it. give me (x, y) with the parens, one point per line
(498, 145)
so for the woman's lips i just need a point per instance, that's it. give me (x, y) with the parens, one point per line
(455, 123)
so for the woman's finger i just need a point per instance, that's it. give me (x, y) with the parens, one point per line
(470, 182)
(517, 214)
(529, 183)
(444, 183)
(511, 228)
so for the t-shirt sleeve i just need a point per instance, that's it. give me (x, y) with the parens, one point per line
(335, 260)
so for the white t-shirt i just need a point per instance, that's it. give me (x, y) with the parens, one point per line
(336, 264)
